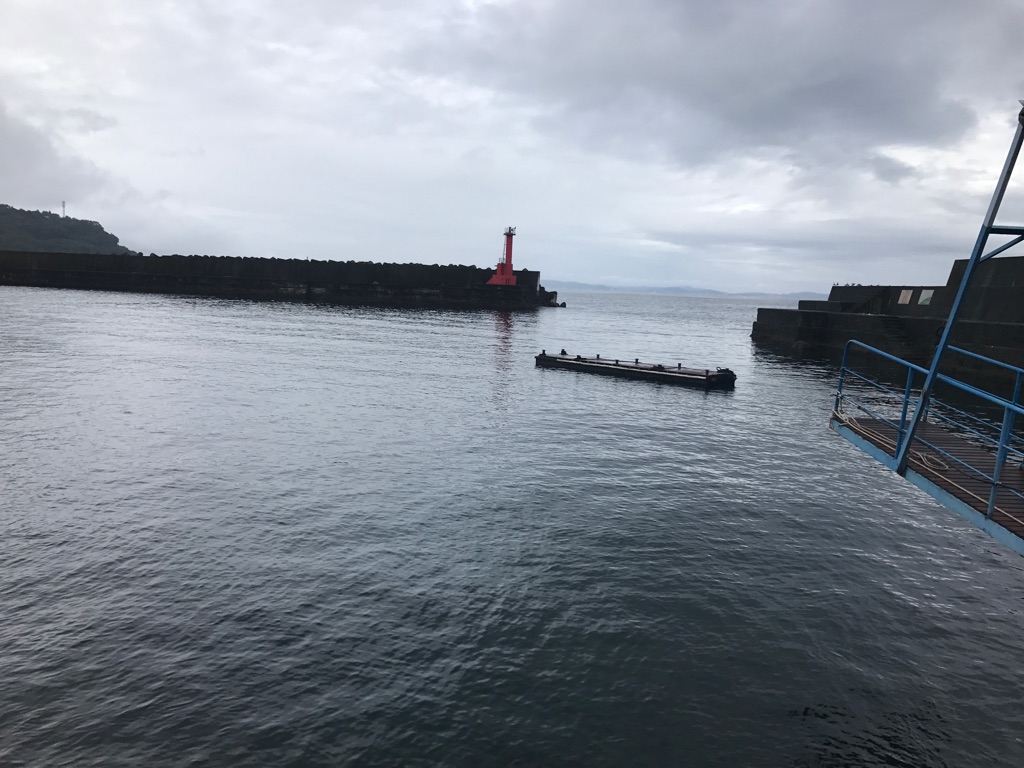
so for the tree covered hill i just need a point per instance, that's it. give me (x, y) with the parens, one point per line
(44, 231)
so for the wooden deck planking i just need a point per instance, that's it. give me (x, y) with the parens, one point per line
(959, 481)
(638, 366)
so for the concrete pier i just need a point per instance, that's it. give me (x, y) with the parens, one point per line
(329, 282)
(906, 320)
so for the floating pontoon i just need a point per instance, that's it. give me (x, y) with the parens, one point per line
(703, 378)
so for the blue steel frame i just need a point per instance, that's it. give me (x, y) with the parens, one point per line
(978, 255)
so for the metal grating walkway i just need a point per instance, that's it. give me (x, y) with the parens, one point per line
(954, 464)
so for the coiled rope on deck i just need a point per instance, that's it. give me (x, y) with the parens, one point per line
(931, 462)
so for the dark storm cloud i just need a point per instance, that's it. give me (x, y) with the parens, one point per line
(698, 80)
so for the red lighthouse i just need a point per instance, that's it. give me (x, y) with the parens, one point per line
(504, 275)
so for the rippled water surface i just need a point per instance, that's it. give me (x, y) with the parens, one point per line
(235, 533)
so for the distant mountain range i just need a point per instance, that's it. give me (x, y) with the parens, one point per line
(675, 290)
(52, 233)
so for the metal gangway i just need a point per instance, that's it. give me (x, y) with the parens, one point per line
(956, 441)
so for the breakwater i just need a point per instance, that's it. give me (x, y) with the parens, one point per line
(329, 282)
(906, 320)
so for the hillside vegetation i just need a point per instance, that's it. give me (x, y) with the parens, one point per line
(44, 231)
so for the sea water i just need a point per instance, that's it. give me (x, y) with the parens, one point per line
(238, 533)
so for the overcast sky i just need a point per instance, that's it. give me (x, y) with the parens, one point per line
(757, 145)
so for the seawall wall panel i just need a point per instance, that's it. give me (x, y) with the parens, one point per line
(349, 282)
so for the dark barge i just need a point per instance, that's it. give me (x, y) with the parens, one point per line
(702, 378)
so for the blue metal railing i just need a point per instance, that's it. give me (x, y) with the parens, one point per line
(870, 395)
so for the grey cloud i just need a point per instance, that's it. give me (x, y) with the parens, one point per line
(895, 250)
(34, 173)
(889, 169)
(699, 81)
(86, 120)
(762, 134)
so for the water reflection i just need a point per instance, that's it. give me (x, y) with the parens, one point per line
(504, 323)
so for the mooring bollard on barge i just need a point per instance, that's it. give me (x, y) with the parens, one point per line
(703, 378)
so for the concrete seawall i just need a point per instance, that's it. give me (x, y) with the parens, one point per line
(335, 282)
(905, 320)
